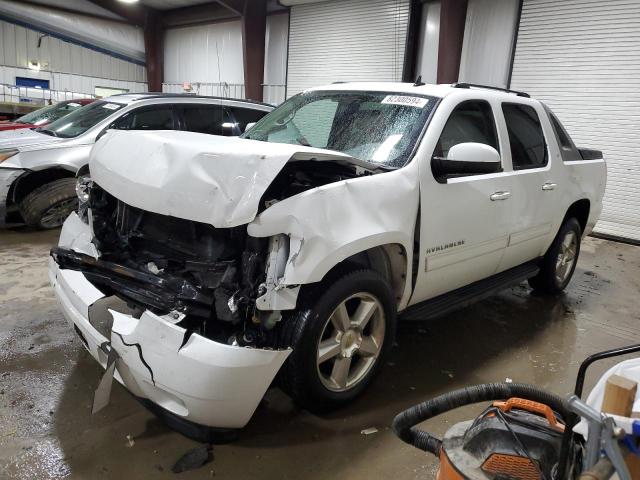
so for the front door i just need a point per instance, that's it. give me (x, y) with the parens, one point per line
(464, 219)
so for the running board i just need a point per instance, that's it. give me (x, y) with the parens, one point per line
(464, 296)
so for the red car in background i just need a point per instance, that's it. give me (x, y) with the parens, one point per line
(45, 115)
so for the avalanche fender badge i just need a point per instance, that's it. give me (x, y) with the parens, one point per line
(406, 100)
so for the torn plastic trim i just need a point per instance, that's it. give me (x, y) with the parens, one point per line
(166, 294)
(277, 296)
(77, 235)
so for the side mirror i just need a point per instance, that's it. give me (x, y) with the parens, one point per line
(467, 159)
(249, 125)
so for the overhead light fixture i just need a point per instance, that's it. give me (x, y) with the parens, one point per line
(128, 1)
(34, 65)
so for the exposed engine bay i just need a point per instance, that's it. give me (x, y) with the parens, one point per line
(205, 279)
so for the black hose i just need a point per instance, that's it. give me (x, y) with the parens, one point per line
(404, 425)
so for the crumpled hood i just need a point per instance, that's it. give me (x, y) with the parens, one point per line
(204, 178)
(26, 139)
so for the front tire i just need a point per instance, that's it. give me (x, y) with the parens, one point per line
(49, 205)
(340, 334)
(559, 263)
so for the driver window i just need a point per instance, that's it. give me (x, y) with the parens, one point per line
(471, 121)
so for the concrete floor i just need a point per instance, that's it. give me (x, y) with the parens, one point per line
(47, 380)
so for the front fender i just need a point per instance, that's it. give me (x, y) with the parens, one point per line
(328, 224)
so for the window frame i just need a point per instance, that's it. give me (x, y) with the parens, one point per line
(508, 139)
(496, 132)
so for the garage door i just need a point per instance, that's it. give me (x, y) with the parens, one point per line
(583, 58)
(346, 40)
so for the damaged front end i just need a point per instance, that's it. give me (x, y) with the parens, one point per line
(205, 278)
(169, 345)
(162, 268)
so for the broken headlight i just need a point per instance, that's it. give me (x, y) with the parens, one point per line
(83, 185)
(7, 153)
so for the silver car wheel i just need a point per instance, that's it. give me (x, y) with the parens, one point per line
(57, 213)
(566, 257)
(351, 342)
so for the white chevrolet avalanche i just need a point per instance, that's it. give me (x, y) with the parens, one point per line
(200, 269)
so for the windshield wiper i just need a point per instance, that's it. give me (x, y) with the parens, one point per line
(46, 131)
(303, 141)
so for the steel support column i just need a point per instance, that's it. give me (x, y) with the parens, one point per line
(453, 15)
(254, 26)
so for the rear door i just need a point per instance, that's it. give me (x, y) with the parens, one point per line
(464, 219)
(536, 199)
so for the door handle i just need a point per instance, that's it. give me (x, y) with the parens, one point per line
(500, 196)
(549, 186)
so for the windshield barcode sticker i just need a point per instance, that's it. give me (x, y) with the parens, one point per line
(111, 106)
(417, 102)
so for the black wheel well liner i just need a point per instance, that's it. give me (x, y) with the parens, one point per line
(580, 211)
(32, 179)
(389, 260)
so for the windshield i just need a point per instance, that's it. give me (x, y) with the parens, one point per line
(49, 114)
(81, 120)
(378, 127)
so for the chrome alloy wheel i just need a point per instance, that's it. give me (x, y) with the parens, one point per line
(566, 257)
(57, 213)
(351, 342)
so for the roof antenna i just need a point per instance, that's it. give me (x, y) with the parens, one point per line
(419, 82)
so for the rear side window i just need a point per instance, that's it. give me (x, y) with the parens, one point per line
(563, 138)
(471, 121)
(209, 119)
(528, 146)
(246, 115)
(156, 118)
(568, 150)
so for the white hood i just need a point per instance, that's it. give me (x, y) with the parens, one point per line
(204, 178)
(26, 139)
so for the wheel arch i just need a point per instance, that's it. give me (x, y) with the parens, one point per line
(580, 211)
(32, 179)
(389, 260)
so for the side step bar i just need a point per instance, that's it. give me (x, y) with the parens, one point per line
(464, 296)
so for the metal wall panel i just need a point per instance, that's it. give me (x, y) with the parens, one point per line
(582, 58)
(205, 53)
(349, 40)
(83, 68)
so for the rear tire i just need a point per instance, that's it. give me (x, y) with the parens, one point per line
(50, 204)
(340, 333)
(559, 263)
